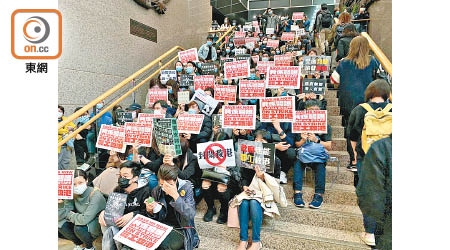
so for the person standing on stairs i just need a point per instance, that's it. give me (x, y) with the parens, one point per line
(207, 51)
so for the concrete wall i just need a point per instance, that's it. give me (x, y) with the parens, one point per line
(99, 51)
(380, 27)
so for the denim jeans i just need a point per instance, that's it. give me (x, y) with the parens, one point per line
(90, 141)
(369, 222)
(77, 234)
(319, 176)
(253, 209)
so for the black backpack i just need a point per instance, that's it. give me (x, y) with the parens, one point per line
(339, 31)
(327, 19)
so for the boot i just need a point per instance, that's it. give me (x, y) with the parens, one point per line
(224, 199)
(210, 203)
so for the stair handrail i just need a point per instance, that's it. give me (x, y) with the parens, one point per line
(225, 34)
(221, 45)
(387, 65)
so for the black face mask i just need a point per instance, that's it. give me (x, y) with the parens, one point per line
(124, 182)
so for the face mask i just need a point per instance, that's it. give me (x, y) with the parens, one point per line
(133, 115)
(199, 64)
(79, 190)
(257, 49)
(225, 81)
(265, 59)
(231, 39)
(192, 111)
(189, 70)
(274, 37)
(99, 105)
(284, 93)
(232, 50)
(192, 89)
(337, 13)
(83, 119)
(278, 52)
(261, 35)
(299, 44)
(270, 12)
(228, 51)
(60, 114)
(130, 157)
(252, 75)
(157, 112)
(124, 183)
(215, 70)
(231, 45)
(170, 91)
(179, 68)
(253, 101)
(209, 43)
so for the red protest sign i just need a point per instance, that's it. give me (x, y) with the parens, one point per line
(188, 55)
(148, 118)
(156, 95)
(111, 138)
(288, 36)
(238, 69)
(297, 16)
(255, 58)
(273, 43)
(310, 121)
(281, 108)
(282, 60)
(143, 233)
(65, 184)
(190, 123)
(239, 116)
(239, 41)
(239, 34)
(262, 66)
(204, 81)
(255, 23)
(283, 76)
(252, 89)
(250, 40)
(140, 133)
(225, 93)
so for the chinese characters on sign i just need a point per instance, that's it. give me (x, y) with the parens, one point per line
(140, 133)
(111, 138)
(239, 116)
(281, 108)
(252, 153)
(313, 64)
(166, 135)
(213, 154)
(238, 69)
(310, 121)
(312, 85)
(168, 74)
(225, 93)
(32, 67)
(283, 76)
(288, 36)
(186, 80)
(252, 89)
(188, 55)
(65, 184)
(282, 60)
(203, 82)
(190, 123)
(156, 95)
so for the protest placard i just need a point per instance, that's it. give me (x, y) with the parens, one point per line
(273, 43)
(183, 97)
(65, 184)
(168, 74)
(281, 108)
(243, 57)
(239, 116)
(218, 153)
(294, 27)
(250, 40)
(188, 55)
(238, 69)
(300, 32)
(156, 95)
(292, 47)
(239, 34)
(313, 85)
(283, 76)
(111, 138)
(217, 120)
(297, 16)
(166, 135)
(224, 60)
(255, 23)
(114, 208)
(238, 52)
(252, 89)
(204, 81)
(143, 233)
(190, 123)
(315, 64)
(282, 60)
(310, 121)
(262, 66)
(148, 118)
(123, 117)
(270, 31)
(252, 153)
(186, 80)
(255, 59)
(140, 133)
(205, 103)
(239, 41)
(209, 69)
(225, 93)
(288, 36)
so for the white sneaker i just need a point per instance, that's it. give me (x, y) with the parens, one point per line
(93, 248)
(78, 247)
(367, 238)
(283, 179)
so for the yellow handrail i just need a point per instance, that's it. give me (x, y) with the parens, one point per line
(221, 45)
(116, 88)
(387, 65)
(226, 33)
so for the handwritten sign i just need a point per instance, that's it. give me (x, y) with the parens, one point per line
(281, 108)
(288, 36)
(225, 93)
(115, 208)
(218, 153)
(65, 184)
(313, 85)
(270, 31)
(252, 89)
(190, 123)
(111, 138)
(167, 75)
(238, 69)
(239, 116)
(183, 97)
(156, 95)
(310, 121)
(188, 55)
(204, 81)
(283, 76)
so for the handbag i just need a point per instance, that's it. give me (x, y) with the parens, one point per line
(215, 177)
(312, 152)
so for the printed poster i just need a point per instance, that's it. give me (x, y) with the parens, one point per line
(183, 97)
(115, 206)
(252, 89)
(190, 123)
(288, 36)
(168, 74)
(166, 135)
(313, 85)
(281, 108)
(218, 153)
(310, 121)
(156, 95)
(262, 66)
(239, 116)
(238, 69)
(251, 154)
(283, 76)
(205, 103)
(111, 138)
(204, 81)
(188, 55)
(65, 184)
(297, 16)
(225, 93)
(282, 60)
(140, 133)
(186, 80)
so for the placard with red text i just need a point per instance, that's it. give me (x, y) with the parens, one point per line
(140, 133)
(111, 138)
(239, 116)
(156, 95)
(262, 66)
(148, 118)
(273, 43)
(225, 93)
(252, 89)
(283, 76)
(282, 60)
(65, 184)
(281, 108)
(190, 123)
(204, 81)
(297, 16)
(239, 34)
(310, 121)
(188, 55)
(237, 69)
(288, 36)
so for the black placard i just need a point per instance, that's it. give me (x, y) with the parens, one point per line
(292, 47)
(316, 86)
(243, 57)
(115, 208)
(186, 80)
(123, 117)
(209, 69)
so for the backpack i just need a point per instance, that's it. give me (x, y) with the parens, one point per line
(377, 125)
(312, 152)
(327, 19)
(339, 31)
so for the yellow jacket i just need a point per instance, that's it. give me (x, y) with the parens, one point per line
(64, 131)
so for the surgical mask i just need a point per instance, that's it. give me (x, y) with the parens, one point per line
(130, 157)
(199, 64)
(189, 70)
(79, 190)
(265, 59)
(192, 111)
(264, 42)
(99, 105)
(231, 45)
(232, 50)
(299, 43)
(157, 112)
(284, 93)
(225, 81)
(209, 43)
(228, 51)
(257, 49)
(179, 68)
(124, 182)
(83, 119)
(274, 37)
(261, 34)
(215, 70)
(278, 52)
(253, 101)
(270, 12)
(231, 39)
(60, 114)
(252, 75)
(170, 91)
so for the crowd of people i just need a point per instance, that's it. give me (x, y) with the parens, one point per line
(177, 184)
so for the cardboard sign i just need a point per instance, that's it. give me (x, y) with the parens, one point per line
(65, 184)
(270, 31)
(186, 80)
(204, 81)
(282, 60)
(123, 117)
(143, 233)
(209, 69)
(273, 43)
(218, 153)
(190, 123)
(111, 138)
(315, 64)
(262, 66)
(156, 95)
(255, 59)
(166, 135)
(238, 69)
(281, 108)
(205, 103)
(288, 36)
(148, 118)
(252, 89)
(283, 76)
(168, 74)
(243, 57)
(310, 121)
(115, 208)
(297, 16)
(225, 93)
(313, 85)
(140, 133)
(217, 120)
(239, 34)
(239, 116)
(239, 41)
(183, 97)
(188, 55)
(252, 154)
(238, 52)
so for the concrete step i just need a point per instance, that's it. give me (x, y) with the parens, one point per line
(337, 131)
(343, 157)
(339, 144)
(333, 110)
(335, 120)
(332, 102)
(330, 94)
(339, 194)
(343, 177)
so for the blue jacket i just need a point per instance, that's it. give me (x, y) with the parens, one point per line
(106, 118)
(285, 126)
(204, 50)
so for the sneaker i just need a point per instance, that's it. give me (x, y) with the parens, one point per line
(283, 179)
(209, 215)
(352, 168)
(92, 248)
(316, 202)
(78, 247)
(298, 200)
(368, 239)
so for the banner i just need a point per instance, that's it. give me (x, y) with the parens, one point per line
(283, 76)
(166, 135)
(156, 95)
(188, 55)
(115, 208)
(297, 16)
(315, 64)
(123, 117)
(204, 81)
(252, 89)
(239, 116)
(209, 69)
(186, 80)
(281, 108)
(111, 138)
(143, 233)
(310, 121)
(238, 69)
(282, 60)
(65, 184)
(217, 120)
(262, 66)
(168, 74)
(205, 103)
(183, 97)
(313, 85)
(148, 118)
(239, 34)
(225, 93)
(288, 36)
(239, 41)
(218, 153)
(252, 154)
(273, 43)
(190, 123)
(140, 133)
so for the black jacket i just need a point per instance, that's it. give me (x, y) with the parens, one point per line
(343, 46)
(191, 171)
(135, 200)
(203, 136)
(155, 160)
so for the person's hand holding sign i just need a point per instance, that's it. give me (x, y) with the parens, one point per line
(168, 159)
(122, 221)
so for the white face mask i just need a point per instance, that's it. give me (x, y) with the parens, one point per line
(60, 114)
(133, 115)
(80, 189)
(157, 112)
